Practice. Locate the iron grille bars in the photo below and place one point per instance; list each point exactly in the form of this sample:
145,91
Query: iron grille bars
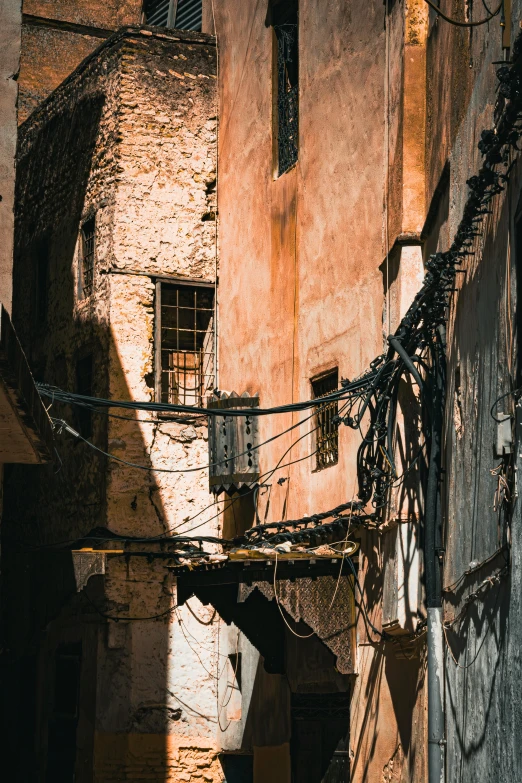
187,340
87,250
287,94
327,433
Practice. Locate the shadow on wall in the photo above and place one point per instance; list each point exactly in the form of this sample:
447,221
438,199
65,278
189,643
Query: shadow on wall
57,652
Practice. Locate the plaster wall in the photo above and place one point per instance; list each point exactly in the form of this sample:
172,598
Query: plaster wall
301,285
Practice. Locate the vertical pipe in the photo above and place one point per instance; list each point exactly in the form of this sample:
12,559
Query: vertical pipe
432,543
436,739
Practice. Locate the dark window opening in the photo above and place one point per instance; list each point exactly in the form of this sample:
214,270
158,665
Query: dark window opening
87,257
42,283
63,720
84,387
237,767
181,14
327,430
186,355
284,17
319,743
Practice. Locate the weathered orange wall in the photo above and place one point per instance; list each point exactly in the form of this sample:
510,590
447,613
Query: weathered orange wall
301,289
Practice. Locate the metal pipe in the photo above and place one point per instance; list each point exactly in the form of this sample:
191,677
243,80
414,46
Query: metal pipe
432,543
436,738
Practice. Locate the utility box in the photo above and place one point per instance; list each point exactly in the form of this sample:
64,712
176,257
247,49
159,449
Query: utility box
504,444
232,442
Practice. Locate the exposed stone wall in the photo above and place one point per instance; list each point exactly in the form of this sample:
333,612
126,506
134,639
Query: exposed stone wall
131,139
57,35
48,57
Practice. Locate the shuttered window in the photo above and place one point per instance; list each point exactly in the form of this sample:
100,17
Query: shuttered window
157,12
188,15
182,14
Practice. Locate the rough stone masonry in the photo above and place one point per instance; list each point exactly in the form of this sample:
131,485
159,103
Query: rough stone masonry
129,139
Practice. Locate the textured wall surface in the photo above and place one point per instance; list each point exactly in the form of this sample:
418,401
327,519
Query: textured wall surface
483,664
309,245
10,29
131,139
57,35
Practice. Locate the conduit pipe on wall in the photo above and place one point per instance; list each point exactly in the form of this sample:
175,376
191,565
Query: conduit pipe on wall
432,548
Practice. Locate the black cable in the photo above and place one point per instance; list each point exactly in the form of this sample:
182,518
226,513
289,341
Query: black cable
514,393
68,428
69,398
465,24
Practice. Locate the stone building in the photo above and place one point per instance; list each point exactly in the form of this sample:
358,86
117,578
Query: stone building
58,35
347,136
347,139
115,235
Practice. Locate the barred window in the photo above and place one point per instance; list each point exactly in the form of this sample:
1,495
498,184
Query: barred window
87,250
327,432
181,14
284,15
185,343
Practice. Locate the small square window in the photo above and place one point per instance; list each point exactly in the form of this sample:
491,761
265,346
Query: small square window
327,430
185,359
87,251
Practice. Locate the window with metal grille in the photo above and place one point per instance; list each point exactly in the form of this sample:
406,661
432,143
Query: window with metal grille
181,14
185,332
327,432
285,16
84,387
88,233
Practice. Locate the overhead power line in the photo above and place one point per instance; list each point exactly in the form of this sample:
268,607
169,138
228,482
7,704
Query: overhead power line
457,23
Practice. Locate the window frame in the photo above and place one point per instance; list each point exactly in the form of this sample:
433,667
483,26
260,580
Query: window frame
277,81
82,290
180,282
171,17
320,464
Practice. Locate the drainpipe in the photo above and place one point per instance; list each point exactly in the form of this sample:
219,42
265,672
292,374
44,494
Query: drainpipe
432,548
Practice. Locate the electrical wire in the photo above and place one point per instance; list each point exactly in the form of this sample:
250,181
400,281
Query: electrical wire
71,398
61,424
465,24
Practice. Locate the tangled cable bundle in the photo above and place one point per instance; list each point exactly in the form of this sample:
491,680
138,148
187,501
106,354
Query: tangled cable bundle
416,349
